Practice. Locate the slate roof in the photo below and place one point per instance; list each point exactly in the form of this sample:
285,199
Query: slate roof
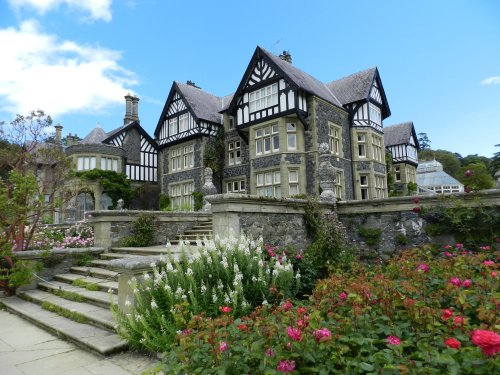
204,105
96,136
353,88
226,101
398,134
431,174
303,80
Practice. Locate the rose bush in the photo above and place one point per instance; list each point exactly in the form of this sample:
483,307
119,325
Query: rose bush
399,318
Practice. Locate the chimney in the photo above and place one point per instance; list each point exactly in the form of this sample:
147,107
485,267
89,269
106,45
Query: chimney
191,83
128,109
58,134
285,56
69,140
76,140
135,108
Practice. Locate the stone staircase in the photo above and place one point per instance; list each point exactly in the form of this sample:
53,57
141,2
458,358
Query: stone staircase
200,231
76,305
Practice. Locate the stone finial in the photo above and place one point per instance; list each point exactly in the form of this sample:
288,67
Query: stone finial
208,188
326,175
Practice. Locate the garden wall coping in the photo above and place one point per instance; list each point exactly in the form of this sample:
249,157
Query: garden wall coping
135,264
40,254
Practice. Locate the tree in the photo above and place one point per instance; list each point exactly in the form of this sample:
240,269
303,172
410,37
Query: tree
495,162
33,172
476,177
423,140
449,160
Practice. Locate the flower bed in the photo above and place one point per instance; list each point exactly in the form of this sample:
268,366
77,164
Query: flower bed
432,311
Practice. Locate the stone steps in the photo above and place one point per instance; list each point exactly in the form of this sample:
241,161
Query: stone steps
98,298
95,315
103,285
89,337
96,272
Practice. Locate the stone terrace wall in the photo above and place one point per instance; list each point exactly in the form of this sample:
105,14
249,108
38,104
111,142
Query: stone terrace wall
110,227
281,221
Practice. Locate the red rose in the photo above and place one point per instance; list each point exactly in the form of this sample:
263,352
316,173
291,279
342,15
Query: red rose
225,309
488,341
452,343
447,314
416,200
416,209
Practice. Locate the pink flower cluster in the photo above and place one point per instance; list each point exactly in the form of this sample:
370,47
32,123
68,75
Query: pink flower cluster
322,335
393,340
286,366
423,267
488,341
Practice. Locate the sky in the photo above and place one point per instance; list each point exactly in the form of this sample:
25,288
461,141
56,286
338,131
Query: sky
439,61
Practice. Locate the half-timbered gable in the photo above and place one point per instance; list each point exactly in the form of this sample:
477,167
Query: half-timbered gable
188,112
362,94
141,162
272,88
401,140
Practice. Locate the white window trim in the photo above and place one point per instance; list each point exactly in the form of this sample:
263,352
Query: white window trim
263,98
270,132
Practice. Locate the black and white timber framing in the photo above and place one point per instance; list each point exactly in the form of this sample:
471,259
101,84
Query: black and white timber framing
401,140
265,82
180,121
146,169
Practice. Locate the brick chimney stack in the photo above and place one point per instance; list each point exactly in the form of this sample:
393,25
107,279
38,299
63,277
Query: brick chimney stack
285,56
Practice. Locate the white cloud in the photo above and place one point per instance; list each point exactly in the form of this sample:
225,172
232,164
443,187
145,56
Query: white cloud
98,9
491,81
41,71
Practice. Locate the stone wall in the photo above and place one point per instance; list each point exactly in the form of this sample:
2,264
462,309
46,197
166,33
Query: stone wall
281,221
110,227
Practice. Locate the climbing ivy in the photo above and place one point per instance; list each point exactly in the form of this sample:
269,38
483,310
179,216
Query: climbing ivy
213,156
116,185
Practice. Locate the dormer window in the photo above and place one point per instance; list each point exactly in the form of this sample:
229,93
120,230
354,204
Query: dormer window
263,98
183,123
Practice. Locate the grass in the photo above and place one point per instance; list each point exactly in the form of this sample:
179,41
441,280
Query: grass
65,313
85,284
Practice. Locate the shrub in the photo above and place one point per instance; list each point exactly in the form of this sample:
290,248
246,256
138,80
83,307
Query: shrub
410,316
329,249
370,235
143,230
164,202
234,273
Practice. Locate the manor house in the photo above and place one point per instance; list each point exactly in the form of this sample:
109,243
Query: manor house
272,126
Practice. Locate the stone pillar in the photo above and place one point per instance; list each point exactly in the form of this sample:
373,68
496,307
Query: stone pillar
58,134
326,175
208,189
497,176
128,109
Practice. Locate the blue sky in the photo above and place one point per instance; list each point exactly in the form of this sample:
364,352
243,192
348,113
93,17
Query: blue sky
439,60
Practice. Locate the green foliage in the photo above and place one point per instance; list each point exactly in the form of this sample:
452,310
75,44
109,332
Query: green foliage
370,235
476,177
214,151
164,202
470,225
372,320
401,239
495,162
82,259
390,173
87,285
329,249
423,141
143,231
234,272
198,200
116,185
66,313
30,170
15,272
449,160
412,188
71,296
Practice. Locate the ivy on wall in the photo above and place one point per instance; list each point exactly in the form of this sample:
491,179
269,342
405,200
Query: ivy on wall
116,185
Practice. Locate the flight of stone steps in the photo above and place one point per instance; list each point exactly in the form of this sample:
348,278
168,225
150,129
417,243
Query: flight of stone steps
200,231
76,305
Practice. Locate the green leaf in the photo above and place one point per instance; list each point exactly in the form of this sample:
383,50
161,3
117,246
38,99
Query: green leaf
366,366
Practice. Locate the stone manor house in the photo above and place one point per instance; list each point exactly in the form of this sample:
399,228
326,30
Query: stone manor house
272,128
273,125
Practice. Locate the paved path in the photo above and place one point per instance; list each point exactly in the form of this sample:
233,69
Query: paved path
26,349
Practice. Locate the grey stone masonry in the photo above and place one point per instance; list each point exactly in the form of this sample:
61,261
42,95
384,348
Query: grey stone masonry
132,146
266,161
110,227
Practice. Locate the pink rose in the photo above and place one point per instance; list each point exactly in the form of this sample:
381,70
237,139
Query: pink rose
294,333
223,346
393,340
466,283
488,341
322,335
455,281
343,296
286,366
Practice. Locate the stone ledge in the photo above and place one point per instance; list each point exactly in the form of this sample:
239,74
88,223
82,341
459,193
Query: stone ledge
42,254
